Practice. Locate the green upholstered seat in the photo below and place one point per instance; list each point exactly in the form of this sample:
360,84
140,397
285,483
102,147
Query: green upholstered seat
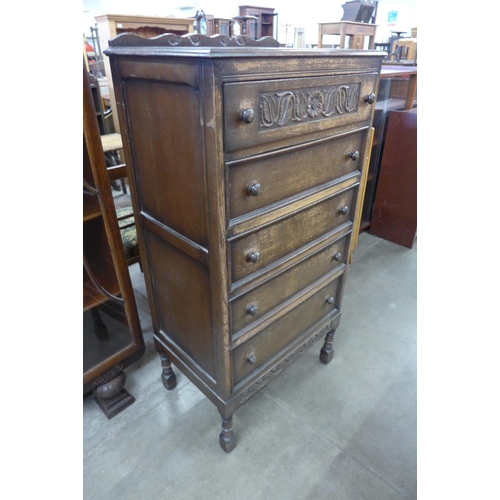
128,233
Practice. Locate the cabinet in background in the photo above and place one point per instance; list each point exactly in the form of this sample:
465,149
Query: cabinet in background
265,23
218,26
397,91
112,335
394,215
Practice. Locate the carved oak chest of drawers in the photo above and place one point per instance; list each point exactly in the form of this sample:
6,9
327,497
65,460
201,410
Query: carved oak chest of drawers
244,162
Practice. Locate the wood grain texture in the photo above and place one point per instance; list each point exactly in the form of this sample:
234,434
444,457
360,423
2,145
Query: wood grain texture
105,276
203,125
394,215
281,332
289,171
283,237
289,282
299,106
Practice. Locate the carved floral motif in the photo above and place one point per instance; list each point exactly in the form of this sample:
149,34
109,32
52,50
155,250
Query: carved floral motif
284,108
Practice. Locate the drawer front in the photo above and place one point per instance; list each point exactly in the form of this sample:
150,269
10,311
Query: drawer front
257,302
260,248
253,353
269,110
268,178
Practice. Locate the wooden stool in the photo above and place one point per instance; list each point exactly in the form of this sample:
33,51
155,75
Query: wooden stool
355,31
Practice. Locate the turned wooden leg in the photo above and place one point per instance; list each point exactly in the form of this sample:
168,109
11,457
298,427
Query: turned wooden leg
227,439
326,353
168,376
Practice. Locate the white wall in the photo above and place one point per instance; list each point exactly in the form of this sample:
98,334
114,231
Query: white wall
296,14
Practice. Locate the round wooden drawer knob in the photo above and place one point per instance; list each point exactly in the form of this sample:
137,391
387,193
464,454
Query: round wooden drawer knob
253,257
330,300
344,210
370,99
254,189
252,310
247,115
337,256
353,156
252,359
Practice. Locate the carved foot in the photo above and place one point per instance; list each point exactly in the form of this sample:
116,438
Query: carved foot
326,353
227,439
168,376
110,394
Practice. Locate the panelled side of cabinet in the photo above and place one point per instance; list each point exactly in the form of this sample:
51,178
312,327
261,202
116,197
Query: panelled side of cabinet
245,163
167,148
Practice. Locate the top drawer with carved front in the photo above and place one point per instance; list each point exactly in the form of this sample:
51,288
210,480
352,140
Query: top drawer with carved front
269,110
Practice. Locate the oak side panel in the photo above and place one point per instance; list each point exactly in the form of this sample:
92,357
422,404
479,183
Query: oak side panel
182,298
168,153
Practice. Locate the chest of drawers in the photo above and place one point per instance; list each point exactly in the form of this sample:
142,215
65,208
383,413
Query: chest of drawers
245,162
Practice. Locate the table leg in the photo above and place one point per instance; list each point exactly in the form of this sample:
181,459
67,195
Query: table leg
342,36
412,88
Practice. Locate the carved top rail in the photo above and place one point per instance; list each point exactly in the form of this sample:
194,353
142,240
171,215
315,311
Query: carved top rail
191,40
196,45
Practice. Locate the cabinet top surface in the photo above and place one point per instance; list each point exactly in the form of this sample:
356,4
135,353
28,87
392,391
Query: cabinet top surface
350,22
389,71
219,46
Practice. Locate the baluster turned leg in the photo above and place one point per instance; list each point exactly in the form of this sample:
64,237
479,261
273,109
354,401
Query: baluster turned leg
227,439
326,353
168,376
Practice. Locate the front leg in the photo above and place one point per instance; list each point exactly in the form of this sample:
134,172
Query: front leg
168,376
326,353
227,439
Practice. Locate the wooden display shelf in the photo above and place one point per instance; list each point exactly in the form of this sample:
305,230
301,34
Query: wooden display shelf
92,297
391,104
91,207
108,348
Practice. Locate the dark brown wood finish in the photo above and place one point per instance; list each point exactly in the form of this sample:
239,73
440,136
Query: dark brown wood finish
255,183
107,289
245,163
394,215
265,23
259,300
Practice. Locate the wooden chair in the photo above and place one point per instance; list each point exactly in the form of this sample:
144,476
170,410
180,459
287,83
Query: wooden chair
111,144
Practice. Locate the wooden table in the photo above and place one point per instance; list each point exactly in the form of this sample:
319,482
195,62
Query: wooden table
403,71
356,32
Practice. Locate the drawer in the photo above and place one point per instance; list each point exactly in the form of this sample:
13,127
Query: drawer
256,303
264,111
264,179
253,353
260,248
